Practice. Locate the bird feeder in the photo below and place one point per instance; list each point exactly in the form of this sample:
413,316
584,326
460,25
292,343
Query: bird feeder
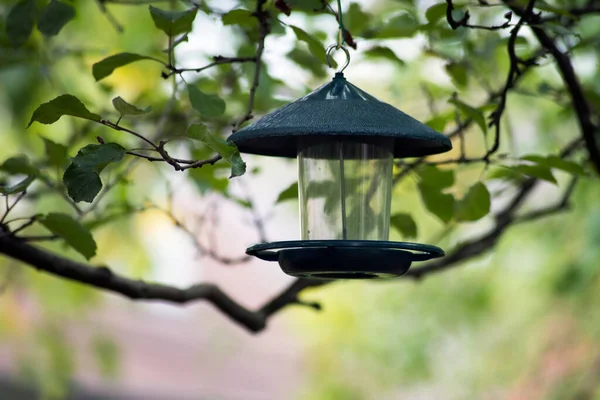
345,141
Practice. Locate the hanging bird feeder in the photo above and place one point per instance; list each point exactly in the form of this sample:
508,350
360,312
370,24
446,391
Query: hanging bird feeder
345,141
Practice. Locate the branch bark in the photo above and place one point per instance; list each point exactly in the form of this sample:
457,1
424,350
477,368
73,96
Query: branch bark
580,104
105,278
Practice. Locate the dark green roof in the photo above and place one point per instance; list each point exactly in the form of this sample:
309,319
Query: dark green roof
341,110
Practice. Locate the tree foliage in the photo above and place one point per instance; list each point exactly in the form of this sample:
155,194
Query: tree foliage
483,56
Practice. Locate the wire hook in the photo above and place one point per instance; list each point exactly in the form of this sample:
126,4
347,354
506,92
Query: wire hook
333,47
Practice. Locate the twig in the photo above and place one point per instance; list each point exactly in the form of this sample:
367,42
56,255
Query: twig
9,208
217,60
580,104
264,29
513,72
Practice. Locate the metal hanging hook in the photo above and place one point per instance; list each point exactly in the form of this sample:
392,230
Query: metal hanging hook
329,58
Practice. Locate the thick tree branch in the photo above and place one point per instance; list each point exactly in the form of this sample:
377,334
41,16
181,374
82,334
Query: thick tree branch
104,278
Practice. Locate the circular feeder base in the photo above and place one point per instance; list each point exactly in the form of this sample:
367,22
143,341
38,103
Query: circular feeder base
344,259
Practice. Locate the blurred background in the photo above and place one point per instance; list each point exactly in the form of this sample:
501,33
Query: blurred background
519,322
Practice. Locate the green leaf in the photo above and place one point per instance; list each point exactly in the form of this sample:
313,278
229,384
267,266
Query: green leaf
18,165
503,173
73,232
305,5
458,73
436,12
54,17
554,161
239,17
83,184
433,176
439,204
439,122
209,105
403,25
82,177
173,22
104,68
205,180
98,156
66,104
56,153
433,182
535,171
20,21
227,150
383,52
471,112
405,224
17,188
290,193
124,108
474,205
315,46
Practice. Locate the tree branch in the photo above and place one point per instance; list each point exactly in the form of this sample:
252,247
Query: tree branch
580,104
104,278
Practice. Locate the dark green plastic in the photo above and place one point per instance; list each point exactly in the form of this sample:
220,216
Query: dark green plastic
344,259
341,111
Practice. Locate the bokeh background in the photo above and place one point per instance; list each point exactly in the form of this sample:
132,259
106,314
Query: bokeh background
519,322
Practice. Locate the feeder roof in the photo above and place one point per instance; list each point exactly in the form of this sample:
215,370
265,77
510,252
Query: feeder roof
338,110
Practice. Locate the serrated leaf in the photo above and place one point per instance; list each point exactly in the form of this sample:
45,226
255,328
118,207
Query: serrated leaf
54,17
535,171
239,17
82,177
383,52
209,105
104,68
439,204
83,184
405,224
56,153
20,21
435,12
18,165
474,205
471,112
173,22
124,108
73,232
315,46
66,104
289,193
227,150
554,161
18,187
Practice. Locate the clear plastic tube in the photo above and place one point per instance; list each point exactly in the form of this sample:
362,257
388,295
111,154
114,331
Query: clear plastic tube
345,190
